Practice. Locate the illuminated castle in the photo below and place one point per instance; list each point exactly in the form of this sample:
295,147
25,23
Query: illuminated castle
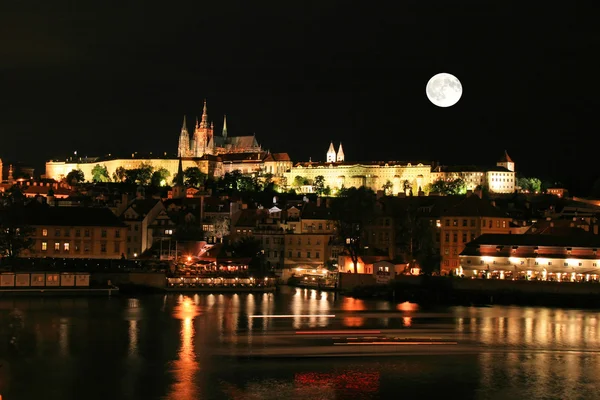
401,177
203,141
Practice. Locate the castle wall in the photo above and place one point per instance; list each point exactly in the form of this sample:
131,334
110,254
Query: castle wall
59,169
372,176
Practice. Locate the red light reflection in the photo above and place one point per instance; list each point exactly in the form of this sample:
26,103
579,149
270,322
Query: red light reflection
357,382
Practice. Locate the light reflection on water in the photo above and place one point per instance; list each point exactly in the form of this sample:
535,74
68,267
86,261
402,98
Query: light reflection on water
161,347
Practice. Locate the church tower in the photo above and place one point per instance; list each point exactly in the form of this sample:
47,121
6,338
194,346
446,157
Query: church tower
506,162
340,154
193,140
224,134
331,153
184,141
11,179
179,191
202,134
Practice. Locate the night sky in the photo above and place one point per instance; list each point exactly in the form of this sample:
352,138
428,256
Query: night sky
117,76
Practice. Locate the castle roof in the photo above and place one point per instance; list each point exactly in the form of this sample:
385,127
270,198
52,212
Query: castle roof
505,158
584,239
314,164
470,168
42,215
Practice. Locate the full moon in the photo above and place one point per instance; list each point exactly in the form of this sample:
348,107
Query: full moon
444,90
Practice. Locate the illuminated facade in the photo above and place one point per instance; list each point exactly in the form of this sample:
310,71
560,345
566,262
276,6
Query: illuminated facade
58,170
76,232
396,177
203,141
374,175
531,256
498,179
299,236
463,223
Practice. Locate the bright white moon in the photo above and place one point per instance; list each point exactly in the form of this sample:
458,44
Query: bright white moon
444,90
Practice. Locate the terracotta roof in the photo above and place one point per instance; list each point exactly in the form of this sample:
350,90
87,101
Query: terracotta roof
312,211
278,157
505,157
557,227
64,216
142,207
247,218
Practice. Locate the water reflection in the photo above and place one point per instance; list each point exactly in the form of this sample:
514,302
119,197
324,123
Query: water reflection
310,302
352,304
186,366
531,328
133,314
510,351
63,337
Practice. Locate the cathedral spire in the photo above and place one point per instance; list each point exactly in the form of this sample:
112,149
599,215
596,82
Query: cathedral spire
184,141
204,121
224,134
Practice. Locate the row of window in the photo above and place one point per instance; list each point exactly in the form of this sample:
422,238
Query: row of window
473,223
455,237
565,264
86,233
275,254
66,247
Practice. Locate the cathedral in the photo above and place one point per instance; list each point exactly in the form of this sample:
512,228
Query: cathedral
203,141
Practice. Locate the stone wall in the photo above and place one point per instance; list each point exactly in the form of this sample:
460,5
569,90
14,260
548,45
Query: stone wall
143,279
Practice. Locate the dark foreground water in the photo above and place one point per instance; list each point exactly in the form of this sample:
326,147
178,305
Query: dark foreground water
198,347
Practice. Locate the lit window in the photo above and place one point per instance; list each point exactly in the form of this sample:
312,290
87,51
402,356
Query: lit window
66,246
57,246
44,246
44,232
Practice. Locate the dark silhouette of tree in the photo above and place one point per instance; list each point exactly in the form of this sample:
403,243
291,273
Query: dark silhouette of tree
229,183
319,185
159,177
194,177
15,235
120,174
249,247
139,176
415,237
387,187
75,176
352,209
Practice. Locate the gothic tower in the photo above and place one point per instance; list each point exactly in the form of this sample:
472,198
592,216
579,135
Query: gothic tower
193,140
506,162
202,134
331,153
340,154
184,141
224,134
179,191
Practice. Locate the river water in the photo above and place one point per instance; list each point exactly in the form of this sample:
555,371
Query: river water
198,346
